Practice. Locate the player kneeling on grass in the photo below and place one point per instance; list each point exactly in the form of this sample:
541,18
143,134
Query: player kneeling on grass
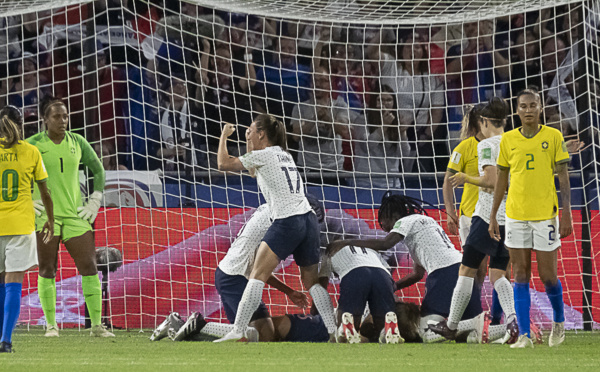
479,244
364,280
20,164
231,278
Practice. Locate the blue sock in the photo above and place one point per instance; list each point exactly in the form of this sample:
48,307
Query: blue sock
522,307
555,295
496,309
2,295
12,308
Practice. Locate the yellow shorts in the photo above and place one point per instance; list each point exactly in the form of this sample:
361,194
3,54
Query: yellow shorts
65,227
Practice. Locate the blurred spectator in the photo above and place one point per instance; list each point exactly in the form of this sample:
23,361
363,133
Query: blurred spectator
112,98
476,71
283,83
347,76
420,97
24,91
319,124
381,143
108,155
179,127
143,113
559,88
225,98
526,70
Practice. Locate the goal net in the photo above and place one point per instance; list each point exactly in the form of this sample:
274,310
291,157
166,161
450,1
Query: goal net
372,94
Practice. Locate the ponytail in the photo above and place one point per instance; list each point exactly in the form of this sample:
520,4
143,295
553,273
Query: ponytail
11,120
274,129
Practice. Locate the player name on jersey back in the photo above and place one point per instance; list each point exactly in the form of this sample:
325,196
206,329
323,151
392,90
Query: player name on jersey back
278,180
350,258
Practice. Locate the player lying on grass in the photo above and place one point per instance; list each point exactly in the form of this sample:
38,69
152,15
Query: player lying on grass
20,165
287,328
429,247
477,330
479,244
365,279
231,278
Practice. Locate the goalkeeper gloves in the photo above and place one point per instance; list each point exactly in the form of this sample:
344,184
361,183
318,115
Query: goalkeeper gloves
90,210
38,207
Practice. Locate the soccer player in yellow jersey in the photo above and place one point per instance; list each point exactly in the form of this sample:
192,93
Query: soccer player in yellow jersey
531,155
20,164
463,159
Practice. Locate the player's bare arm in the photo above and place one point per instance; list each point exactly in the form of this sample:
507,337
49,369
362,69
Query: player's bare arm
499,190
224,161
48,229
488,180
414,277
449,202
375,244
566,220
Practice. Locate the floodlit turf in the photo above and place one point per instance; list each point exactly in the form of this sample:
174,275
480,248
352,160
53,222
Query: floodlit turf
76,351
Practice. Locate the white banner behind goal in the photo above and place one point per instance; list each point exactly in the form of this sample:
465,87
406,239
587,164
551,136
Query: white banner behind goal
372,94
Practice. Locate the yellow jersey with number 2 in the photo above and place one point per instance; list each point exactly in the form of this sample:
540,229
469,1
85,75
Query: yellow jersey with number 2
531,161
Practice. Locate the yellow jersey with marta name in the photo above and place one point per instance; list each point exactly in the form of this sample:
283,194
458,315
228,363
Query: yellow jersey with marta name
531,192
19,166
464,159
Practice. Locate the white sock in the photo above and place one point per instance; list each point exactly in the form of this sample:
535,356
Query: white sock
506,296
248,305
429,337
467,325
323,303
496,332
460,300
217,329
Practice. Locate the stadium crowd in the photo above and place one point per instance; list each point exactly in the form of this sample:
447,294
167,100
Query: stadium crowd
366,98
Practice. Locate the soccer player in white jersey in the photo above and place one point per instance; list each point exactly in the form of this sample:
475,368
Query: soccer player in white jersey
294,230
479,244
431,250
364,279
531,155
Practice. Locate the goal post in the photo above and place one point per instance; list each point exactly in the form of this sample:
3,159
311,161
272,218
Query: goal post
372,94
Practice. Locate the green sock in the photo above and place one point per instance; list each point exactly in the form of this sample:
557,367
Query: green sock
92,292
47,294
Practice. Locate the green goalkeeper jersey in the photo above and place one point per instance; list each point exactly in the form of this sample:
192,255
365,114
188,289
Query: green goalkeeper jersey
62,163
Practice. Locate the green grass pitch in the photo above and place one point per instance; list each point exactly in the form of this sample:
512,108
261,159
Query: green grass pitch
132,351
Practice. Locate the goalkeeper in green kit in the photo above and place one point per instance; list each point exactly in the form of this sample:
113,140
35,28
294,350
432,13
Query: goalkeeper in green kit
62,153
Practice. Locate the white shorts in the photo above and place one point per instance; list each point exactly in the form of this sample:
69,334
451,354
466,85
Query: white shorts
464,227
539,235
18,253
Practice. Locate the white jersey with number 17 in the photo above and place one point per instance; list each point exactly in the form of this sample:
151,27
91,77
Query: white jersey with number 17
279,181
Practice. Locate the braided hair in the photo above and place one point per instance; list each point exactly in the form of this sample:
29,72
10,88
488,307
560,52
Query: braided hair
399,204
11,121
